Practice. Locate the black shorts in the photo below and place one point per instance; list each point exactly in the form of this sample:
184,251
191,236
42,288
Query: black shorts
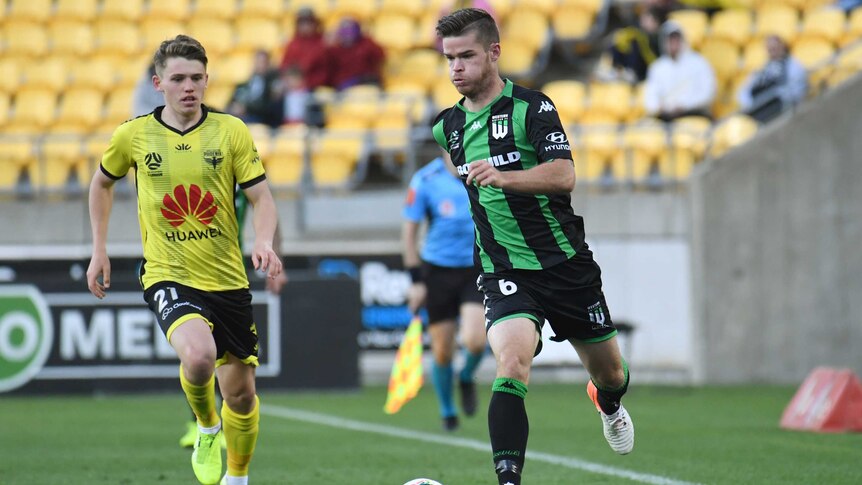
228,313
569,296
448,289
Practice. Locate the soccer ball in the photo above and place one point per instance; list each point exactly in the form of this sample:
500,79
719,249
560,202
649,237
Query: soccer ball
423,481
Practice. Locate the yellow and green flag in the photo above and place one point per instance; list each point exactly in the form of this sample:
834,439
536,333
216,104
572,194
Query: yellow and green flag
406,378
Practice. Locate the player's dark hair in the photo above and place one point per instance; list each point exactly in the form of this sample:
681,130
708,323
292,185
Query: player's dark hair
467,20
180,46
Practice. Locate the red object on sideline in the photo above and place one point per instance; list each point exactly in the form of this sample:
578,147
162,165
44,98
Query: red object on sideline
829,400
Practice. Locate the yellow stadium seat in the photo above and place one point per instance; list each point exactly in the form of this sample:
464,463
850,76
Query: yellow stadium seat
418,66
25,38
61,155
269,9
392,134
394,32
754,56
526,27
613,99
336,157
284,166
34,107
780,20
694,25
646,146
71,37
95,146
118,108
572,22
117,37
10,74
169,9
5,105
689,139
361,10
257,33
30,10
828,24
730,132
96,72
155,30
813,52
795,4
80,111
590,6
518,60
723,56
848,65
10,174
811,5
426,30
411,9
217,9
122,9
444,95
502,8
732,25
853,32
231,69
216,35
569,97
218,96
52,73
85,10
601,155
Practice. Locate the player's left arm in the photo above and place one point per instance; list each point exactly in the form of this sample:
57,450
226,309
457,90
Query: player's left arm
264,220
555,174
249,173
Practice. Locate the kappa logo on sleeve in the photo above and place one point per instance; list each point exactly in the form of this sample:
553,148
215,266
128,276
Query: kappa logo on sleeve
546,106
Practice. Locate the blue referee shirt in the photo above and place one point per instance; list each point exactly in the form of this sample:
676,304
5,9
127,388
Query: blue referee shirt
440,197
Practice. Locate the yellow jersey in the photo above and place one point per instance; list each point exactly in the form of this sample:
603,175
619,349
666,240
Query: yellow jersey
185,184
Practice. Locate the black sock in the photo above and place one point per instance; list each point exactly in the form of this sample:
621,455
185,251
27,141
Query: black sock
609,399
509,428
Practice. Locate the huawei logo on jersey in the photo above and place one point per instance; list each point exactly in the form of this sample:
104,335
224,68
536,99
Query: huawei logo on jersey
184,204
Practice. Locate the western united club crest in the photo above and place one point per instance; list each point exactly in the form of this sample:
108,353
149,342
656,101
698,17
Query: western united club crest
499,126
213,158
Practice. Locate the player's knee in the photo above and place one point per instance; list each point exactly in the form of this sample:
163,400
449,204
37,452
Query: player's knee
199,367
240,401
611,377
513,366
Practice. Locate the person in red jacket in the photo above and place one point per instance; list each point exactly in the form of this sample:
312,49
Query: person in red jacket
356,58
307,50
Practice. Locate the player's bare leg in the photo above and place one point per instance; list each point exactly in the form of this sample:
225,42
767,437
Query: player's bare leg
474,342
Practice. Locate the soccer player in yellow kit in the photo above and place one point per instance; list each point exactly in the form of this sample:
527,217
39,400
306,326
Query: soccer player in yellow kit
187,161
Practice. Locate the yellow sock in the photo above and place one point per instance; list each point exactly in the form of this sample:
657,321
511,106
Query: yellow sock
202,400
240,432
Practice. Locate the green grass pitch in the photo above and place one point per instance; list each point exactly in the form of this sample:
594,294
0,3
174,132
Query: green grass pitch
714,435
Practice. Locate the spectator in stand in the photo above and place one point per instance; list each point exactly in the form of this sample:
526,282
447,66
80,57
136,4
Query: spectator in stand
258,99
778,86
307,50
294,96
679,83
636,47
357,59
145,97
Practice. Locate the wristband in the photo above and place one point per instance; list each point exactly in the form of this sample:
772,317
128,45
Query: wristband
415,274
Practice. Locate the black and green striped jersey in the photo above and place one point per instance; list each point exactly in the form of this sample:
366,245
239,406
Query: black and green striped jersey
516,131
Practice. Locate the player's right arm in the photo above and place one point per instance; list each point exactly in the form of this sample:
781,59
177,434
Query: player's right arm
101,201
414,213
115,163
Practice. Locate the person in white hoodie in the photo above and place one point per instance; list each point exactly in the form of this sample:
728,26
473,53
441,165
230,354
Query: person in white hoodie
680,82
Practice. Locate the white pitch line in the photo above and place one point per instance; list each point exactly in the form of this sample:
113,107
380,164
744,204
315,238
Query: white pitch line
342,423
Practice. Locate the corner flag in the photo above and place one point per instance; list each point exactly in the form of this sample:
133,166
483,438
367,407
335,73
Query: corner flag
406,378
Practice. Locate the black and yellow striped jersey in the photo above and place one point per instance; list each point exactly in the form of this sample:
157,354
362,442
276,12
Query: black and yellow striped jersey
185,183
516,131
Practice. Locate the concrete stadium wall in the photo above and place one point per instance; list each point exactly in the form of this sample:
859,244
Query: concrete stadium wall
777,267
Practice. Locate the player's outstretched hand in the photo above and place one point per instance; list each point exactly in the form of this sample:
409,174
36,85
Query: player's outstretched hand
265,260
100,265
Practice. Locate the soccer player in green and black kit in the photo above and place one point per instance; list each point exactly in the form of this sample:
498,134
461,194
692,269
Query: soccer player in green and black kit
512,152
